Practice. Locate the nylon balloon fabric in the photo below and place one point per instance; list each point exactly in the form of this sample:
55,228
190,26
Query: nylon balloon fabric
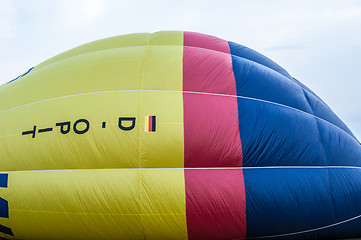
172,135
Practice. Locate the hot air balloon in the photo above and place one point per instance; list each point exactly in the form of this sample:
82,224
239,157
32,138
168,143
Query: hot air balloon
172,135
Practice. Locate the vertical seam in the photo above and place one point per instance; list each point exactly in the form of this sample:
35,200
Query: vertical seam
240,139
140,136
184,155
317,125
324,152
237,106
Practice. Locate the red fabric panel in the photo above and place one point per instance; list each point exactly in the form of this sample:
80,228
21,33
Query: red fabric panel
211,131
208,71
215,203
215,199
199,40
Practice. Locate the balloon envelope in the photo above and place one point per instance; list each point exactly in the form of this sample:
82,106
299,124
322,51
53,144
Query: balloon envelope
172,135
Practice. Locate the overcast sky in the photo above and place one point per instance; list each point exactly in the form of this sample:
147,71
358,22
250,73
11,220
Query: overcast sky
316,41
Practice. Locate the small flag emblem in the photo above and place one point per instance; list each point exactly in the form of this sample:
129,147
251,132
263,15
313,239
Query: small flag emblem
150,123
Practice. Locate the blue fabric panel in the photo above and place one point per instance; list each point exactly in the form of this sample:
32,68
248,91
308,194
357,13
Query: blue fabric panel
346,188
291,200
341,149
323,111
274,135
4,180
305,88
256,81
284,123
247,53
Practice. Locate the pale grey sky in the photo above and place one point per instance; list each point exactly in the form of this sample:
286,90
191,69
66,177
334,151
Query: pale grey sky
316,41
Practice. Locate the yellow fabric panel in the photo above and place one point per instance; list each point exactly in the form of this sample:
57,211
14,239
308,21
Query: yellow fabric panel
166,38
99,87
163,204
160,67
156,151
161,74
108,70
166,106
135,39
96,204
135,198
108,147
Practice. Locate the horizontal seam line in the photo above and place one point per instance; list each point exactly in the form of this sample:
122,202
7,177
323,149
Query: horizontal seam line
174,91
193,168
307,231
92,213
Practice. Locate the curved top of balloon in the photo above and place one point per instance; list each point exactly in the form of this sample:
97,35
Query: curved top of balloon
179,135
171,63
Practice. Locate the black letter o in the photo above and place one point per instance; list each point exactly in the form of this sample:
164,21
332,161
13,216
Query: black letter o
81,131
